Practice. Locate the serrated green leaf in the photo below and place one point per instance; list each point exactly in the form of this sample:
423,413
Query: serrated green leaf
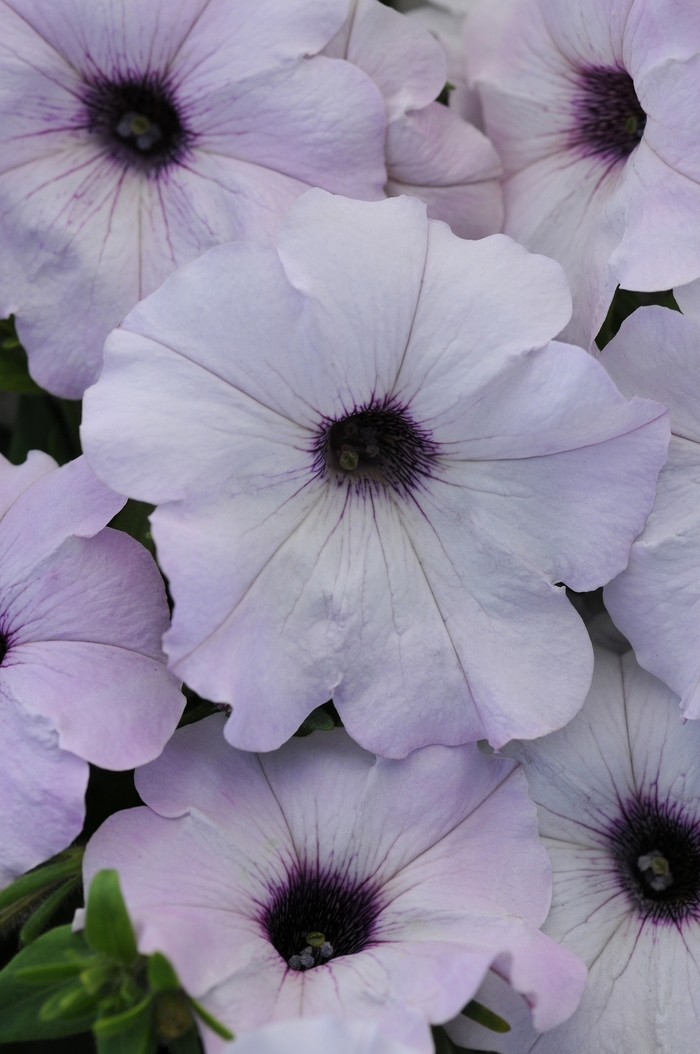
40,918
108,927
211,1021
161,974
485,1017
22,1002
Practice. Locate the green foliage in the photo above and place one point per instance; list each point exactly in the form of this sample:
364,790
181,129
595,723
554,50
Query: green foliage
623,304
485,1017
108,927
39,977
65,983
55,879
444,1045
323,719
14,371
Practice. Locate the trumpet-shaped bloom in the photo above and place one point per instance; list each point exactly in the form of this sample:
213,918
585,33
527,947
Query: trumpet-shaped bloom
374,471
82,674
592,106
656,600
136,134
322,1035
618,794
430,151
318,879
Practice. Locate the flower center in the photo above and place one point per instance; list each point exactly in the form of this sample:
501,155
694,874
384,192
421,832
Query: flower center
137,121
378,442
609,121
657,851
312,918
4,645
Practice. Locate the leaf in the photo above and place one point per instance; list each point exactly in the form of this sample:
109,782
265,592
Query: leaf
211,1021
113,1024
483,1016
136,1036
187,1044
108,927
45,912
133,520
65,865
14,369
161,974
22,1001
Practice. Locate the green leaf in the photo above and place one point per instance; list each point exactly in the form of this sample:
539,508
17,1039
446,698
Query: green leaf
114,1023
46,911
445,1045
14,370
135,1036
108,927
71,1002
22,1002
172,1014
483,1016
210,1020
133,520
317,721
161,974
65,865
187,1044
50,973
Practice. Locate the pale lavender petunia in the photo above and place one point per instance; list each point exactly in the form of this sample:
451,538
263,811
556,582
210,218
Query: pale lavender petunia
592,105
374,472
82,674
318,879
618,793
322,1035
136,134
430,151
656,600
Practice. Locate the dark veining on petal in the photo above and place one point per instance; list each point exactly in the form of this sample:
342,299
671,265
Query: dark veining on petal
320,902
376,443
608,118
4,646
137,120
656,847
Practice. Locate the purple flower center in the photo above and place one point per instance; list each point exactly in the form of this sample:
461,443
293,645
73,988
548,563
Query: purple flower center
657,851
379,443
315,916
4,646
137,121
609,121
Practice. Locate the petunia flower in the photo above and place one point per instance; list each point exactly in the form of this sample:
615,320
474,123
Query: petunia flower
618,794
374,472
82,674
136,135
322,1035
430,151
656,600
320,880
592,106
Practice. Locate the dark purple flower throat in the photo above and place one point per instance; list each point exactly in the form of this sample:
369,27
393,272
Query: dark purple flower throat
315,916
609,121
657,852
379,443
137,121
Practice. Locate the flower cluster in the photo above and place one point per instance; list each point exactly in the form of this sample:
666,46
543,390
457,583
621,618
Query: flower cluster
349,438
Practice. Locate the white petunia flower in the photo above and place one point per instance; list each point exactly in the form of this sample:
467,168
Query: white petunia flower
374,471
618,793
